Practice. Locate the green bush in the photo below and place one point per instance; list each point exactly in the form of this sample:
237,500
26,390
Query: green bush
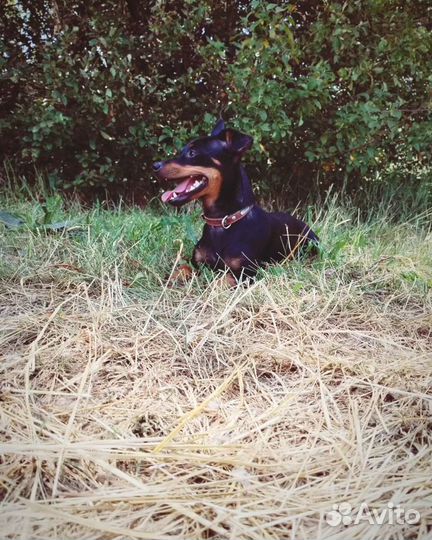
332,92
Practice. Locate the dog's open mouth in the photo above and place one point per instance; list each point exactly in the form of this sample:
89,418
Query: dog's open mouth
185,190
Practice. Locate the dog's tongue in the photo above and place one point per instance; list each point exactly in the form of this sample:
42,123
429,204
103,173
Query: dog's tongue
166,196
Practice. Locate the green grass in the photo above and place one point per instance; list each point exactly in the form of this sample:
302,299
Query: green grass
135,410
136,244
142,246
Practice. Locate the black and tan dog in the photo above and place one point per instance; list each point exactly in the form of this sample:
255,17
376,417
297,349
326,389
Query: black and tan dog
238,234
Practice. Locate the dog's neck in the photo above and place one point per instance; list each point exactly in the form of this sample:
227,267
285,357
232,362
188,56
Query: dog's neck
236,193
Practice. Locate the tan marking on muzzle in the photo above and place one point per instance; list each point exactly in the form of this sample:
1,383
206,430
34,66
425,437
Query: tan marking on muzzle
173,171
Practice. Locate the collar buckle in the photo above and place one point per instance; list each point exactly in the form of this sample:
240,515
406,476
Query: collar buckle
223,222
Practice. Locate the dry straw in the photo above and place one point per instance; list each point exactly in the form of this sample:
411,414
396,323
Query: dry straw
210,413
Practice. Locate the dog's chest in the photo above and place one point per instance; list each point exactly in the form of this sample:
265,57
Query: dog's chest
208,256
220,248
218,255
204,255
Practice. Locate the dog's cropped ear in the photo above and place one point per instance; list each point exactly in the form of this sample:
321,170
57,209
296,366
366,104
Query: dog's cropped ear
237,142
219,127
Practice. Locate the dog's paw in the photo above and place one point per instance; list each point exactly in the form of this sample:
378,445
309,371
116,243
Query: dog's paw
227,281
181,275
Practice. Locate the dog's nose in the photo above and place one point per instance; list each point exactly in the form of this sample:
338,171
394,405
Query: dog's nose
157,166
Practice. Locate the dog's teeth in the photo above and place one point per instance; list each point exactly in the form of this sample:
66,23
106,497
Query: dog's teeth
193,186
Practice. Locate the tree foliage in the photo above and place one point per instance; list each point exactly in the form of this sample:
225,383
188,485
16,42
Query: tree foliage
333,92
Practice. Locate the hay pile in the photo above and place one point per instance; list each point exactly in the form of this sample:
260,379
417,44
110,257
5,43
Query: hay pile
205,413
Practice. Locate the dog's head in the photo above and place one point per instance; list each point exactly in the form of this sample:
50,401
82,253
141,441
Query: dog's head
201,168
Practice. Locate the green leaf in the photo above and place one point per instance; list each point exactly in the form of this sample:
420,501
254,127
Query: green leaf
106,136
61,226
10,220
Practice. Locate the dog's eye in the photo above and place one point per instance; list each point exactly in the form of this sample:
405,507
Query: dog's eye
191,153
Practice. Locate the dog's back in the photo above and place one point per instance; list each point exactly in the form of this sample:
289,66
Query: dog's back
290,236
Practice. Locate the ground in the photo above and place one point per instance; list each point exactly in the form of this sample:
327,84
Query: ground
130,409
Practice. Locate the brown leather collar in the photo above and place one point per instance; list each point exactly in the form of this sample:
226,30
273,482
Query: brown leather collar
229,219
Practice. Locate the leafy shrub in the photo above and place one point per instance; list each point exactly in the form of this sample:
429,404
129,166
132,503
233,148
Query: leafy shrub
94,92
